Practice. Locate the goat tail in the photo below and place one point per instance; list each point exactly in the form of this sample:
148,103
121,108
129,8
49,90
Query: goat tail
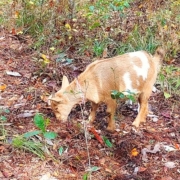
159,54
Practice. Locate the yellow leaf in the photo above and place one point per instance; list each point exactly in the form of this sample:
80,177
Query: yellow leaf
45,59
134,152
20,32
52,48
2,87
16,14
31,2
173,25
165,27
68,27
74,20
2,137
75,30
167,95
140,6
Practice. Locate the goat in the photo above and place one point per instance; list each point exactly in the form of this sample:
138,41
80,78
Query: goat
135,72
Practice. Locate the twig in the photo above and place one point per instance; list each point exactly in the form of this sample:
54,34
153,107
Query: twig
85,127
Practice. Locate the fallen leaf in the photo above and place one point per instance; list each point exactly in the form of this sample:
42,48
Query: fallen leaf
155,119
108,170
68,27
134,152
3,87
19,105
29,97
102,161
139,169
12,73
2,149
97,136
142,169
47,176
13,31
145,150
9,61
166,114
2,137
168,148
45,59
177,146
52,48
7,173
93,169
26,114
16,14
167,95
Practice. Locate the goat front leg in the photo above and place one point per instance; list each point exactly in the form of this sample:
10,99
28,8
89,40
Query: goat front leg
143,101
111,108
92,115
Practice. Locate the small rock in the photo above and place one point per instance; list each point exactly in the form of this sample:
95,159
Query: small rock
155,119
170,164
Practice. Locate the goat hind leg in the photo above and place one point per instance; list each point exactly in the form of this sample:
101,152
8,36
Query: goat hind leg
111,107
143,101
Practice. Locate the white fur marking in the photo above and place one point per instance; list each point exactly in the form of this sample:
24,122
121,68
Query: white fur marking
141,71
137,82
128,83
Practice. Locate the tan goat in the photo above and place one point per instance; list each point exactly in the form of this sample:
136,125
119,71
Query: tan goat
135,71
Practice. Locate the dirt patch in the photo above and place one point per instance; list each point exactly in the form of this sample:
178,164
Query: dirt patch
152,152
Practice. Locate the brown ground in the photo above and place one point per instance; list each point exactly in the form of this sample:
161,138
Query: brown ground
124,161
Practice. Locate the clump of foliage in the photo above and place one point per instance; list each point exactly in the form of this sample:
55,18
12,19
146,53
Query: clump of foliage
3,119
29,145
41,123
92,27
169,78
54,23
27,142
123,95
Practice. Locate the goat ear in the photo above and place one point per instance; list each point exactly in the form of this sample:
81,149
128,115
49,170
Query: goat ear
65,82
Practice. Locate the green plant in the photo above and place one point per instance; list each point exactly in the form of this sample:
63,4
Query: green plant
41,123
107,142
98,48
143,40
3,119
32,145
29,145
102,9
89,171
62,57
123,95
169,79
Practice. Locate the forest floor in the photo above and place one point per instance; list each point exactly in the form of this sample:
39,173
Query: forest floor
151,152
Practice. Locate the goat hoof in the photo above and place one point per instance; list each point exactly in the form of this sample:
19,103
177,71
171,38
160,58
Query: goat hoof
110,129
143,120
136,124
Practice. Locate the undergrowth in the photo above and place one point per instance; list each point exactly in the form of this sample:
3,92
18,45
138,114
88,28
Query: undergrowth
83,24
92,28
28,142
